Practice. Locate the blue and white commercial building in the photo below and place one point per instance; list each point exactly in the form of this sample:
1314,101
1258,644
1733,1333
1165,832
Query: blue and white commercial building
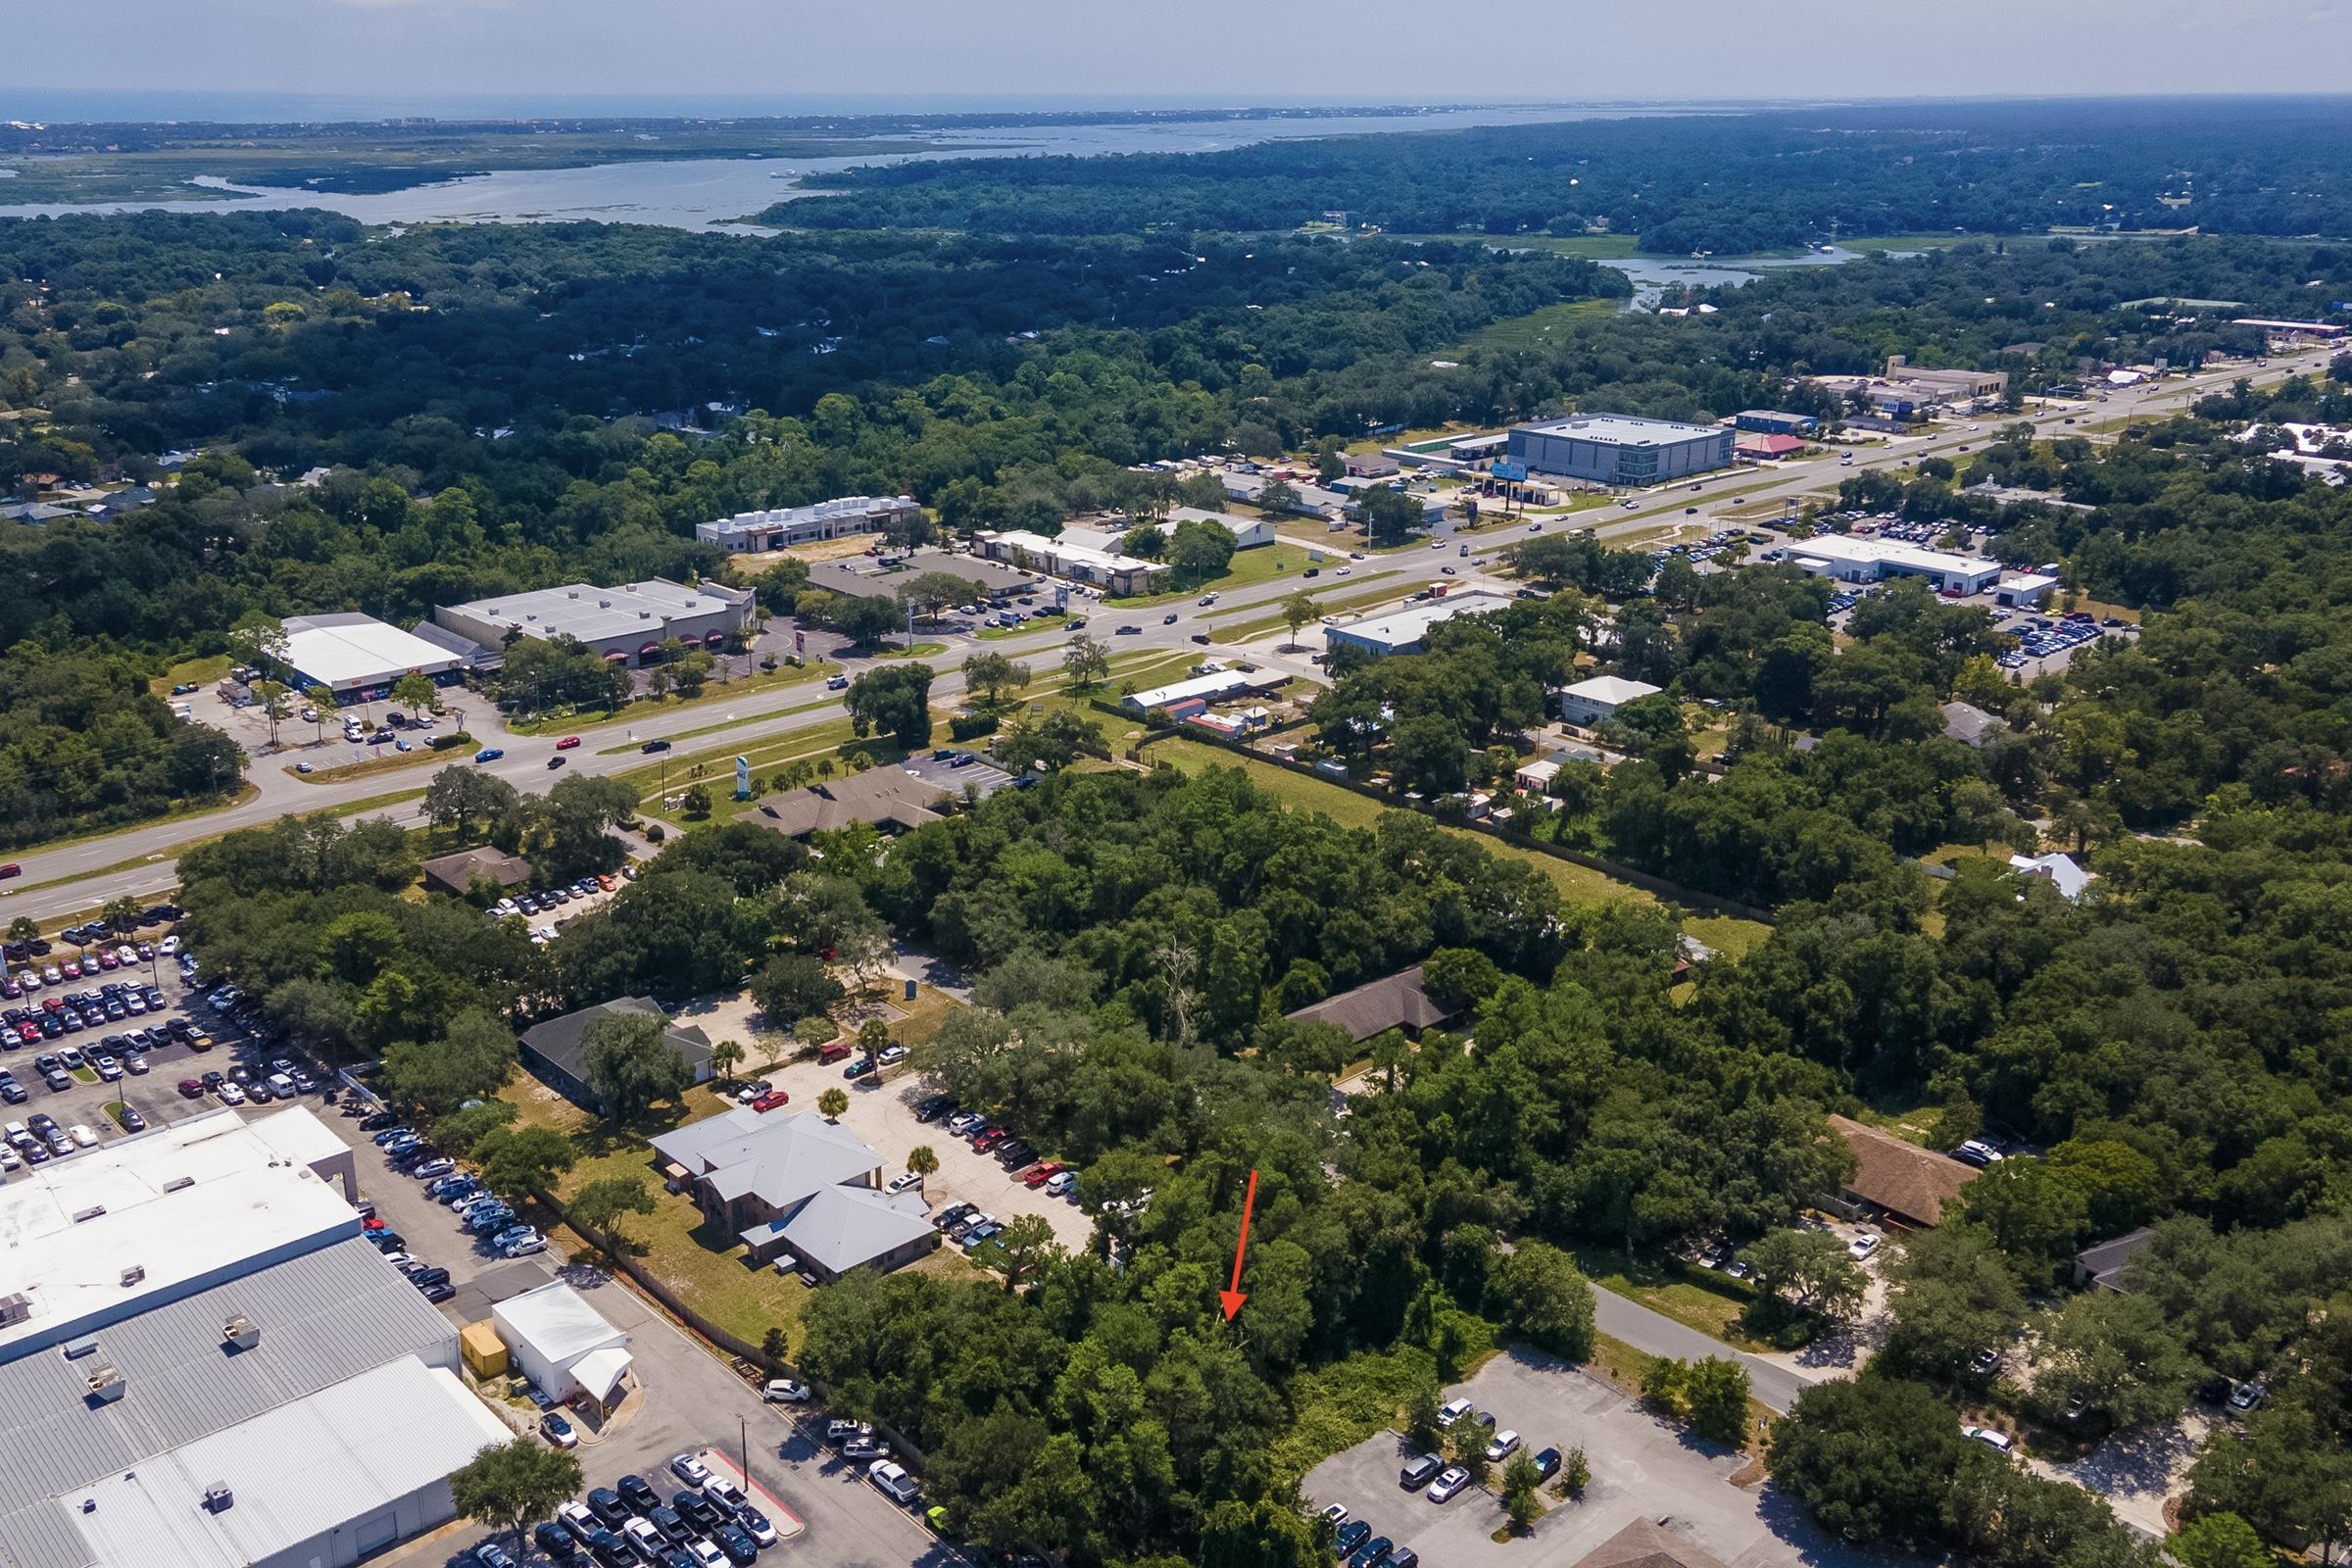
781,526
207,1365
1850,560
1615,449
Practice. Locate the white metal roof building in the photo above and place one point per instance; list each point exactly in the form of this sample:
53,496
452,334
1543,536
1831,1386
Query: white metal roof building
628,622
194,1305
563,1344
1248,532
1403,631
780,526
1206,688
1852,560
1596,700
354,654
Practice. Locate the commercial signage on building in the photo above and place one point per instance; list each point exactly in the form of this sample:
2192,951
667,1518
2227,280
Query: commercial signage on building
1509,470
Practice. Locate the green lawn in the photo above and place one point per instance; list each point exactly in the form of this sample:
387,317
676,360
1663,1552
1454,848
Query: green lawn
1543,328
202,672
1360,597
643,708
1692,1296
1577,884
702,1262
1259,563
388,762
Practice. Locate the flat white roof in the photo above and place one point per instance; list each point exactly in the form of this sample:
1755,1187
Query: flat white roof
1611,689
800,517
556,1321
341,650
190,1204
1623,429
1870,552
1411,625
2029,582
1221,683
592,615
294,1474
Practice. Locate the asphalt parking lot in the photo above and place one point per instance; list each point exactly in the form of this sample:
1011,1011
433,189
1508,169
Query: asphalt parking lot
882,1114
1642,1469
152,1093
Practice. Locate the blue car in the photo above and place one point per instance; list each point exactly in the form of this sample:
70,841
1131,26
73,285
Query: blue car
489,754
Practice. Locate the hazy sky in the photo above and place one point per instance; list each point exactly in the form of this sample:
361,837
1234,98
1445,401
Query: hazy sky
390,52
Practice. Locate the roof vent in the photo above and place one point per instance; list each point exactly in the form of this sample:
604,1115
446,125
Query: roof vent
241,1332
179,1184
105,1384
218,1497
82,1216
133,1274
76,1350
15,1307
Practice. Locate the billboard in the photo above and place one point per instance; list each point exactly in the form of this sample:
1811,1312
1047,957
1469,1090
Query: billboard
1506,470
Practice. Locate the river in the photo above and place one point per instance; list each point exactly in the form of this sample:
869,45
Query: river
704,193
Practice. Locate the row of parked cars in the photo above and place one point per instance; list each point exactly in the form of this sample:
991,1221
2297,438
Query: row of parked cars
526,905
1016,1155
707,1521
2040,636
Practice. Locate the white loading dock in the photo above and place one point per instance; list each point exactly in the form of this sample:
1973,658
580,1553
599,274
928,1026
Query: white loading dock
564,1344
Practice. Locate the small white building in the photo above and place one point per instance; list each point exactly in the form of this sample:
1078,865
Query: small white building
2068,878
1248,532
1595,701
564,1344
1850,560
2026,591
1534,778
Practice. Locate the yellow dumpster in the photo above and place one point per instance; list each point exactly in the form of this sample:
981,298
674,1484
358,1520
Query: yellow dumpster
485,1351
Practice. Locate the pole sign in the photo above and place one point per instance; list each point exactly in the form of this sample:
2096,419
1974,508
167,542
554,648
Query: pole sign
800,643
743,778
1515,472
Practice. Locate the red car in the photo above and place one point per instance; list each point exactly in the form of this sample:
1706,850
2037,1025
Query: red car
1039,1175
836,1051
372,1223
990,1137
771,1100
190,1089
567,743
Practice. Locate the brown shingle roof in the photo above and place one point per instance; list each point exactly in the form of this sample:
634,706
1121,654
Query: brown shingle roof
1392,1001
1904,1178
1643,1544
880,796
455,872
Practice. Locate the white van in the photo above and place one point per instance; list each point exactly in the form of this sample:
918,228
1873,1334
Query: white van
283,1086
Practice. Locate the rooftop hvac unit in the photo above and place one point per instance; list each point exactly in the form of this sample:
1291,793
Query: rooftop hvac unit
105,1384
133,1274
82,1216
179,1184
15,1307
218,1497
241,1332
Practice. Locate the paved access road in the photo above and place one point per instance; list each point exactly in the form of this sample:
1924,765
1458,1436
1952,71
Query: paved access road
84,881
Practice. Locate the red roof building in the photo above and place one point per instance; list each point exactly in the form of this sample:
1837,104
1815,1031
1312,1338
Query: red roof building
1770,446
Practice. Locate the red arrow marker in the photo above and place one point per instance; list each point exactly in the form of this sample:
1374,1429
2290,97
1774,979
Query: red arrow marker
1233,1298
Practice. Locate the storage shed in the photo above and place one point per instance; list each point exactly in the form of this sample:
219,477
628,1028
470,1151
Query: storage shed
564,1344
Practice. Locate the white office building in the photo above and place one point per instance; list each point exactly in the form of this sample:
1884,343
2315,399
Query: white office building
1850,560
206,1365
781,526
1404,631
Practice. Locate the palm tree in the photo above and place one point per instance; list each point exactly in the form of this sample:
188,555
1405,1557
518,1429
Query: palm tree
832,1103
921,1161
24,928
122,913
873,1036
726,1056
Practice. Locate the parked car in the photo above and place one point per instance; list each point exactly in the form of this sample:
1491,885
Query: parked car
557,1430
1419,1471
1451,1480
1500,1446
784,1391
689,1468
1988,1436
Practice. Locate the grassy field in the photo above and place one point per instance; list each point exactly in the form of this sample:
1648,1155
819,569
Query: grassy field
1539,330
702,1262
191,672
1260,564
1360,597
827,701
1577,884
388,762
1692,1296
712,694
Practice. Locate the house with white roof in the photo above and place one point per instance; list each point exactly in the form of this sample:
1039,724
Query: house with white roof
2068,878
1595,701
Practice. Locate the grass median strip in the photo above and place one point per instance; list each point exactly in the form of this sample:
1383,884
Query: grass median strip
711,694
735,722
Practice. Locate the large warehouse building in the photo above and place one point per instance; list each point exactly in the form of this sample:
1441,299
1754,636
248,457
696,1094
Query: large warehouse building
357,657
1614,449
1848,560
205,1365
800,525
628,623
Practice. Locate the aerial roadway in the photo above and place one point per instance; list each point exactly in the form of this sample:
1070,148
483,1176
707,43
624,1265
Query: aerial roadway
77,878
